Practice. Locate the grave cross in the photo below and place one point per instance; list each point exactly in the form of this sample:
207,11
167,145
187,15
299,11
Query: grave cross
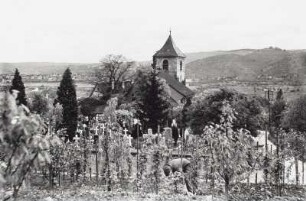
96,129
125,131
103,128
76,139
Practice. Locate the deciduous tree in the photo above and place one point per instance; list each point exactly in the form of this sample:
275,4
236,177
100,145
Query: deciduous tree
206,109
229,152
23,143
113,70
295,119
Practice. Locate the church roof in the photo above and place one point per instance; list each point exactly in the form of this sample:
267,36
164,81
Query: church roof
169,50
176,85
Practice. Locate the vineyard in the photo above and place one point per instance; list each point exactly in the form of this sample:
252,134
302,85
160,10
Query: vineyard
39,163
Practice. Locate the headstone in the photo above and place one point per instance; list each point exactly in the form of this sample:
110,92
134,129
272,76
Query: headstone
187,137
145,136
168,136
150,132
150,139
129,139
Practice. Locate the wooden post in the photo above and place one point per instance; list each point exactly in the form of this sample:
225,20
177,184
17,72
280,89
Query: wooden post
51,175
255,167
137,147
90,173
303,171
97,165
59,177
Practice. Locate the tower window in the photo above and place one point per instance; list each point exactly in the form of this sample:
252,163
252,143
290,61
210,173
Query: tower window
165,65
181,65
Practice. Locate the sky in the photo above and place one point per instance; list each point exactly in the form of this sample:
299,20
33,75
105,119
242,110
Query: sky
87,30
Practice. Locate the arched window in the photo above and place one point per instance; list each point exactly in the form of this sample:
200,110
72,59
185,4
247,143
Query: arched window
181,65
165,65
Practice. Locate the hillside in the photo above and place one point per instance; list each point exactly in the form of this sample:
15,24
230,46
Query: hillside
270,63
193,56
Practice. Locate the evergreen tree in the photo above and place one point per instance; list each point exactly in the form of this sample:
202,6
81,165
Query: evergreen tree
66,96
152,101
18,85
278,109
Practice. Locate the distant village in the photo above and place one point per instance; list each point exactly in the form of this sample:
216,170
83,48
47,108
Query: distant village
56,77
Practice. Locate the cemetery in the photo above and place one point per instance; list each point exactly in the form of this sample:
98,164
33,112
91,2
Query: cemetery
211,125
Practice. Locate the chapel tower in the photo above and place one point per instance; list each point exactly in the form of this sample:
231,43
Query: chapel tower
171,60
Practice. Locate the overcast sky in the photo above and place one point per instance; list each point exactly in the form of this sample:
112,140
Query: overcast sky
86,30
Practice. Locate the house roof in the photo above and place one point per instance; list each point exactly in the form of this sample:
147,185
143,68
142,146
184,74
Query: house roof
176,85
169,50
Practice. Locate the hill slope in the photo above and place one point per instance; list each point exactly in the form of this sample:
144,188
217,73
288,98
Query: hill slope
193,56
276,63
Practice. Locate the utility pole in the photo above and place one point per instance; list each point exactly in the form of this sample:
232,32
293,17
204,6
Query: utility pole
269,97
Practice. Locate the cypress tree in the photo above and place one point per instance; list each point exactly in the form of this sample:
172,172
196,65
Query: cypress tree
66,96
152,103
18,85
278,109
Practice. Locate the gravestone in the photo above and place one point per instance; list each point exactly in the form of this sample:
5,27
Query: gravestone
162,141
150,139
128,139
168,136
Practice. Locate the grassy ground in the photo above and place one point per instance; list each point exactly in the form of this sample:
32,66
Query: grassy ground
93,193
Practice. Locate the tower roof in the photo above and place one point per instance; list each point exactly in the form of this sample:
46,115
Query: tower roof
169,50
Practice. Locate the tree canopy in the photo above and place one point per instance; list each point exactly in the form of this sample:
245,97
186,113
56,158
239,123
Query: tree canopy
207,109
229,152
295,116
114,69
